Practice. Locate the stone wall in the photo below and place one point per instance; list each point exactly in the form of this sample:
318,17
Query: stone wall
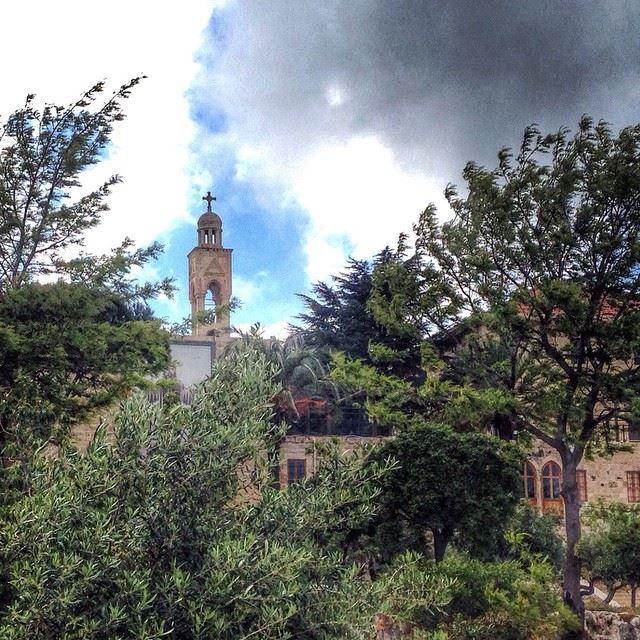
301,447
606,476
605,625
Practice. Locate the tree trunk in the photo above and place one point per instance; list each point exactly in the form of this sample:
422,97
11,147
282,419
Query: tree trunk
572,563
441,538
611,591
633,595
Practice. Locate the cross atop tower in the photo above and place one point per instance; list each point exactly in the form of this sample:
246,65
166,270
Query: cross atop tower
209,198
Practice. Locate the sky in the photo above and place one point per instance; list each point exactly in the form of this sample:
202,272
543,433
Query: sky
323,128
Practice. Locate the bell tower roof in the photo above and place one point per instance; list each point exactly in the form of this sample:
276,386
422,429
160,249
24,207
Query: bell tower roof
209,219
209,226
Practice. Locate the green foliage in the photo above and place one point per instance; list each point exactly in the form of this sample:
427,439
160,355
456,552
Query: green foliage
363,314
536,534
504,601
466,599
187,325
449,484
152,536
69,349
549,243
414,593
113,272
611,548
337,317
543,251
301,370
42,156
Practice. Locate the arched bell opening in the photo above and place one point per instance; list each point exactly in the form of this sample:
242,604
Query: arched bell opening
207,237
212,301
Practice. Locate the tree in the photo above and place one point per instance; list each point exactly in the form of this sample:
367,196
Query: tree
153,536
449,484
68,350
71,347
341,317
159,534
611,549
537,534
42,155
543,251
371,325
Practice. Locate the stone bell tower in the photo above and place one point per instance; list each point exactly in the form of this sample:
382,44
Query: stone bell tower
210,277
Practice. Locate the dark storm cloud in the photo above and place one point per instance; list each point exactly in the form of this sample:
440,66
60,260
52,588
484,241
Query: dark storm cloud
441,82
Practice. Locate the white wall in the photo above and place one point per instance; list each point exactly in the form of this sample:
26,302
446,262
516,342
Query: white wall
193,361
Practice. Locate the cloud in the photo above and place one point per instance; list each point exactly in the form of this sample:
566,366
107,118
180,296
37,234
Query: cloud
358,200
245,290
279,330
59,49
308,98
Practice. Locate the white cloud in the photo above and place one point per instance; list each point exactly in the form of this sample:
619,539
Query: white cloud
356,193
62,48
357,196
335,95
279,330
245,290
359,199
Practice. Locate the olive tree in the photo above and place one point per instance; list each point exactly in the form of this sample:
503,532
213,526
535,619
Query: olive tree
171,528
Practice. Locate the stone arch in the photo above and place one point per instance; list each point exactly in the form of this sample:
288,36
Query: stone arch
213,297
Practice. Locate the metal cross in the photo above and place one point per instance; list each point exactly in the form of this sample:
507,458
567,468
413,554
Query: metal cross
209,198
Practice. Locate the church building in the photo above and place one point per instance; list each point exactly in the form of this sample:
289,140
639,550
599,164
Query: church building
210,278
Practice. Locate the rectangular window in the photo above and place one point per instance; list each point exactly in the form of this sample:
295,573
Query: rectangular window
581,482
296,470
633,431
633,486
627,431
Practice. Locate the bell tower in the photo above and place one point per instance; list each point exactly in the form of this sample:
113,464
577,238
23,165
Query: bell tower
210,277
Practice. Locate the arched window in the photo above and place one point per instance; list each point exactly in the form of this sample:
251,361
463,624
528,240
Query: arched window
211,299
551,487
529,477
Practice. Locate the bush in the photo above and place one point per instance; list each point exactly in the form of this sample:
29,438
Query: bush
147,538
538,534
467,599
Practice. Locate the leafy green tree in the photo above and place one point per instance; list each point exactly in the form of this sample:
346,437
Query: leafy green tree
508,600
450,484
544,252
42,156
611,549
173,529
342,318
337,316
68,350
536,534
